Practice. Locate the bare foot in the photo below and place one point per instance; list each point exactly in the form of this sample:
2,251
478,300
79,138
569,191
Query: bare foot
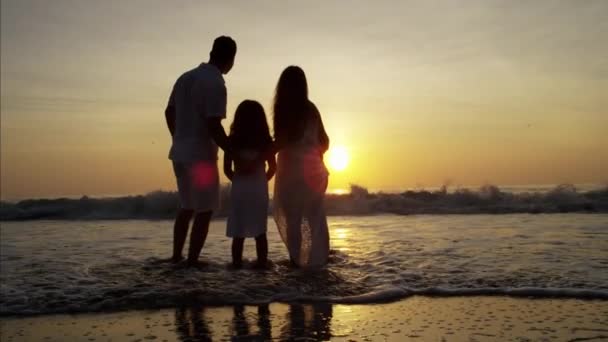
262,264
177,259
236,265
172,260
196,264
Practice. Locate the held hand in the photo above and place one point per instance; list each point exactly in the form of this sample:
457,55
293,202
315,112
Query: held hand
245,166
229,174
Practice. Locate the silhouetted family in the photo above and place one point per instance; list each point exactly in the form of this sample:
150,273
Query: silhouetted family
194,113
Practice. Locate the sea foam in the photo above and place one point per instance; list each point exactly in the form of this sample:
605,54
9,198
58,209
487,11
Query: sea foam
87,266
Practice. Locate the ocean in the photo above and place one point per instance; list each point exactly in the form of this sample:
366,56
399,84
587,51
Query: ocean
72,266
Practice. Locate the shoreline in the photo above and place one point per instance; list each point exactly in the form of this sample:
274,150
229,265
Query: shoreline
482,318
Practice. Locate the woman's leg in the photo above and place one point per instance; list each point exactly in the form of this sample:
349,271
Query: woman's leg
319,249
294,234
261,247
288,213
237,252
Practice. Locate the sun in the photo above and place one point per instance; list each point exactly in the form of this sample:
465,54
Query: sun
338,158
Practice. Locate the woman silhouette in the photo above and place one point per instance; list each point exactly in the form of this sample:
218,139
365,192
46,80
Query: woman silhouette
301,177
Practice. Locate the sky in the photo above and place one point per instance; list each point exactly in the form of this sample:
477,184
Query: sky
419,93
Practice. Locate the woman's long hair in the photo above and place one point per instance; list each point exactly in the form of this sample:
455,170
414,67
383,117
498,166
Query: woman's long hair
249,130
290,105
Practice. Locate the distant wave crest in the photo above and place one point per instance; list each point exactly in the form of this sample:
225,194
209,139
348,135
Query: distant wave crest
486,199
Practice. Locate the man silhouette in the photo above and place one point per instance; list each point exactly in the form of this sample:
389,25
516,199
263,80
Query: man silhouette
194,113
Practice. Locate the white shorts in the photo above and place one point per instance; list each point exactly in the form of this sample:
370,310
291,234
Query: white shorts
198,185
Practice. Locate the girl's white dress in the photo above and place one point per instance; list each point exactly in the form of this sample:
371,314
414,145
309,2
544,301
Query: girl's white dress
299,190
249,202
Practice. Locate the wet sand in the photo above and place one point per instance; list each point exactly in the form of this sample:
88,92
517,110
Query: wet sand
416,318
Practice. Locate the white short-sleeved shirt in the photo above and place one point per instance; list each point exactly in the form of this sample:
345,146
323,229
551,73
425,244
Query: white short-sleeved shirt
197,95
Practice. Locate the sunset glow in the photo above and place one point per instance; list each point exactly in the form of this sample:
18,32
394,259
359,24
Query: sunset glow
338,158
417,93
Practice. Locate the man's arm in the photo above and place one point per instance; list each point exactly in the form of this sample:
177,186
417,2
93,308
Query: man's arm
170,117
215,110
170,112
217,133
228,165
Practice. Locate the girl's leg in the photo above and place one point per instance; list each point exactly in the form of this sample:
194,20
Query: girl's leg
261,247
237,252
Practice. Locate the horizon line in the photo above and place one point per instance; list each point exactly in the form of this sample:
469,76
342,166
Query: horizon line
513,188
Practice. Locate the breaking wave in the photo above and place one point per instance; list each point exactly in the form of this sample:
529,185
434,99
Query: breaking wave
487,199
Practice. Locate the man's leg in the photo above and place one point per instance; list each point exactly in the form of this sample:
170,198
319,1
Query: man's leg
200,228
180,231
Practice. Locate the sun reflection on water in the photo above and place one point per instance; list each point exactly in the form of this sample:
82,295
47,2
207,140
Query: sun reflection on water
341,233
340,238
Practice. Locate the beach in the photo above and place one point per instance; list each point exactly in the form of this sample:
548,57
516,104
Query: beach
479,318
303,171
422,277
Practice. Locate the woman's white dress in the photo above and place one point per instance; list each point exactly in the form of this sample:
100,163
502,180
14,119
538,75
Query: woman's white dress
300,184
248,203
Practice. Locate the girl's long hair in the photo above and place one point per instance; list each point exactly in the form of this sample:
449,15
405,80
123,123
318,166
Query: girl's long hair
291,105
249,130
